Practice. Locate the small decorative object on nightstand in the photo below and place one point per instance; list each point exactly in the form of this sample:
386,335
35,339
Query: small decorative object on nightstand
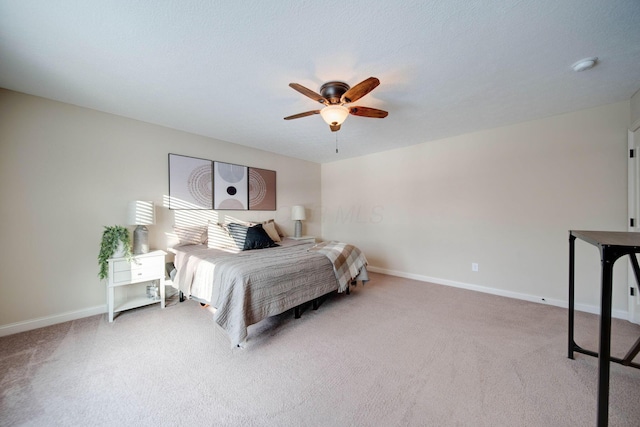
142,268
297,215
141,214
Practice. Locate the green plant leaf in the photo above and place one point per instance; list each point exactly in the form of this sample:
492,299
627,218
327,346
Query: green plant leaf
111,236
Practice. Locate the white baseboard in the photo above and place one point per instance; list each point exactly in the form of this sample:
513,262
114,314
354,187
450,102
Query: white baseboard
28,325
618,314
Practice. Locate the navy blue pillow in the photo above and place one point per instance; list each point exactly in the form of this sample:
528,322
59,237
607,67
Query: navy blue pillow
257,238
248,238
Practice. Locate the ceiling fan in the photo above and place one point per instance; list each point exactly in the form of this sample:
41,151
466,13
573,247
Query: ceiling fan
334,95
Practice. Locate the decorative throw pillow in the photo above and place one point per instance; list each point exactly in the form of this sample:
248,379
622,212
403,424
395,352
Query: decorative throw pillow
247,238
240,221
257,238
191,234
273,221
270,228
238,233
219,237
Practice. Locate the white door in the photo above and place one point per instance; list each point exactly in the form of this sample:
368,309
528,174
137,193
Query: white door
634,216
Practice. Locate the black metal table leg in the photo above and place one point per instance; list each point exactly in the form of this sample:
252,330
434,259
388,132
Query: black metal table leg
572,253
631,354
604,354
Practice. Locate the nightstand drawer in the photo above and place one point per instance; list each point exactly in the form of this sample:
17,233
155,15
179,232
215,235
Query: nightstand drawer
140,270
138,263
134,276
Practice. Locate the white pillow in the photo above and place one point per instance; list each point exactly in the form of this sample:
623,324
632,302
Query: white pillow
191,234
219,237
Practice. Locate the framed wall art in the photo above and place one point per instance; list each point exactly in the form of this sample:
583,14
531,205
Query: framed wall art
230,186
190,182
262,189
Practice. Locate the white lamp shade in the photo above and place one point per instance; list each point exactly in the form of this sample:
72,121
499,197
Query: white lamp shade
297,213
334,114
141,213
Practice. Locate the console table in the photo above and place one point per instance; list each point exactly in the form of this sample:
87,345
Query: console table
612,245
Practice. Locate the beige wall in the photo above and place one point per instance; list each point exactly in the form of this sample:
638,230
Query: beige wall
66,171
503,198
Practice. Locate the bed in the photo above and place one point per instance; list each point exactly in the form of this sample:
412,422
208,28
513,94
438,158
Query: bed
248,286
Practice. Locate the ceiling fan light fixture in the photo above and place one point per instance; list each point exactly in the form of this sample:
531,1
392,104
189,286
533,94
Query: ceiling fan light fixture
334,95
334,115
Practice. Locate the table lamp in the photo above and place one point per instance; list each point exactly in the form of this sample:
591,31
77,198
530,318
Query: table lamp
141,213
297,215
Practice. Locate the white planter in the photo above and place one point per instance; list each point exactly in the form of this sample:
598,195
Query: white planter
119,253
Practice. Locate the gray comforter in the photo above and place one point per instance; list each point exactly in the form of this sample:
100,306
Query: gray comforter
249,286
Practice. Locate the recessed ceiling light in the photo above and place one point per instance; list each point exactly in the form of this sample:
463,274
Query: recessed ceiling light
585,64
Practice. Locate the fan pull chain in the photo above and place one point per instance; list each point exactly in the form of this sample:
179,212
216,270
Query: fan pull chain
336,142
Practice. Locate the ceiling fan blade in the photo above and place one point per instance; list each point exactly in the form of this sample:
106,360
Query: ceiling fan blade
308,92
368,112
305,114
360,90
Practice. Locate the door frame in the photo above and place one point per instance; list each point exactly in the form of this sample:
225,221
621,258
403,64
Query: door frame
633,206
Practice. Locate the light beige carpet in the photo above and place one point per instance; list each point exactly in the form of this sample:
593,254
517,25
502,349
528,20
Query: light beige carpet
395,352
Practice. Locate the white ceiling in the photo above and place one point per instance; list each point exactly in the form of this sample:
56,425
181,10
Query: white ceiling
222,68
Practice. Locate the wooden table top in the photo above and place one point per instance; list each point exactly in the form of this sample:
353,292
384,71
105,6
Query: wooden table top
608,238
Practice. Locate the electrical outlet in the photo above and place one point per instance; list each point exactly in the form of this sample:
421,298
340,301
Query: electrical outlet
474,266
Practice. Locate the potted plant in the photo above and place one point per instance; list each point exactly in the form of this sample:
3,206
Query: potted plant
115,242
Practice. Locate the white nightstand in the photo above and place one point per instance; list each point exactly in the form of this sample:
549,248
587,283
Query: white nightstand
143,268
306,239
